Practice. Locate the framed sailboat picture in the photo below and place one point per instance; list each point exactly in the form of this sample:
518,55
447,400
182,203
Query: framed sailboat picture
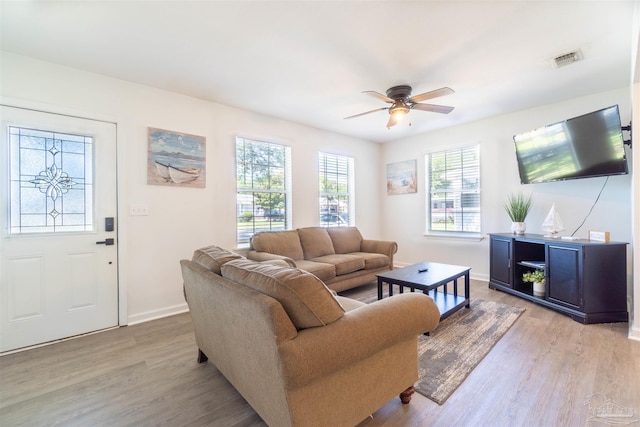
176,159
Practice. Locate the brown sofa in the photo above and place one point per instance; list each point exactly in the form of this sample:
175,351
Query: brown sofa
298,353
339,256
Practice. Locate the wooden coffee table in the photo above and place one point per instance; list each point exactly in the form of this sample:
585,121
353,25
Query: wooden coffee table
432,279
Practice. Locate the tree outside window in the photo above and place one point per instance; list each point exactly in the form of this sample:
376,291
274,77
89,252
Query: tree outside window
263,188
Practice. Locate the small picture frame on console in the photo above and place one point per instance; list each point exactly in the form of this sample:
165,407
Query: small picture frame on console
599,236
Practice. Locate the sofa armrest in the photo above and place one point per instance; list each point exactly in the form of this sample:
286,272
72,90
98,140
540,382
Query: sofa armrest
380,247
266,256
360,333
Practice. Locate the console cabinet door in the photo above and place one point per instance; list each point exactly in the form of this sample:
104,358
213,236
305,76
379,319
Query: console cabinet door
500,255
564,275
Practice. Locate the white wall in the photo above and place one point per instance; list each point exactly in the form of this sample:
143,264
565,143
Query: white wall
634,331
404,215
182,219
634,313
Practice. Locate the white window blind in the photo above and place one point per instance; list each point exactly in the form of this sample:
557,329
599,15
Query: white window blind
453,178
336,190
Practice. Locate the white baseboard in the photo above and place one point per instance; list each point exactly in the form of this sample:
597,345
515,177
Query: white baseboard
157,314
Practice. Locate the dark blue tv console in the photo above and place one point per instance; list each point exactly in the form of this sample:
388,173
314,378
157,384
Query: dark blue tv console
586,280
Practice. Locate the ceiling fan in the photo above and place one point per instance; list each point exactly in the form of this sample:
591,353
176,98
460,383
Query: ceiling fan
402,102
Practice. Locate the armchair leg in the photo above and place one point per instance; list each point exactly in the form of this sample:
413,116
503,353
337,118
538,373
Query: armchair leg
405,396
202,357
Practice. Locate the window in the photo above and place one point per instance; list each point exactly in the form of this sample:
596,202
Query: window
51,182
453,179
336,190
263,171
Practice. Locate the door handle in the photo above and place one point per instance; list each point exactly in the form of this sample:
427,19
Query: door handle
107,242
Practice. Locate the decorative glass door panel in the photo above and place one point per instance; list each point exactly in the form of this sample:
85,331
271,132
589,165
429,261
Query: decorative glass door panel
51,181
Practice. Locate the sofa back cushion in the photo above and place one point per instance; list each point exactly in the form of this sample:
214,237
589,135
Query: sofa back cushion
315,242
213,257
307,301
345,239
285,243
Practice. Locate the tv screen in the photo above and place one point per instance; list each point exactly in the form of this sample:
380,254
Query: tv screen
582,147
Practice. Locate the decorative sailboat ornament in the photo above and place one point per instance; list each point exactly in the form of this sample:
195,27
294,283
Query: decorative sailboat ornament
552,224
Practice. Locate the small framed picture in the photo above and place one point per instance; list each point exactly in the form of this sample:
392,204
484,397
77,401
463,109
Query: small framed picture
401,177
599,236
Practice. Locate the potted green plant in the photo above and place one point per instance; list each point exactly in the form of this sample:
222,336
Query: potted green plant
517,207
538,279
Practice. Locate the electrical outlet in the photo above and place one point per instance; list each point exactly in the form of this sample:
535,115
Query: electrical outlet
138,210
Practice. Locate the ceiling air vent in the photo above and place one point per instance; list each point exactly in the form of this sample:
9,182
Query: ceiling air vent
566,59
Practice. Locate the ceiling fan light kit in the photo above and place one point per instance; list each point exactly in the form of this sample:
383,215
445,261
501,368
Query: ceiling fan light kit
402,102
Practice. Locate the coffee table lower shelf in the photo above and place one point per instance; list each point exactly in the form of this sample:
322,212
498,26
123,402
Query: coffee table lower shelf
448,303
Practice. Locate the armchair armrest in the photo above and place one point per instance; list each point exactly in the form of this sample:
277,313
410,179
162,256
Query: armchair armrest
266,256
317,352
381,247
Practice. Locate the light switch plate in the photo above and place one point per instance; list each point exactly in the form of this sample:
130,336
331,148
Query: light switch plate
139,210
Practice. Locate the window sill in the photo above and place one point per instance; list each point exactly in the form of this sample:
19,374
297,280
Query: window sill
449,235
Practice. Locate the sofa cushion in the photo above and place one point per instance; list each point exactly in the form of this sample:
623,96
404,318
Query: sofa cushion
345,239
349,304
307,301
344,263
315,242
285,243
280,262
321,270
373,260
213,257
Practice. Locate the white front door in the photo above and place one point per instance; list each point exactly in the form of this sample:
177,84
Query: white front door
58,259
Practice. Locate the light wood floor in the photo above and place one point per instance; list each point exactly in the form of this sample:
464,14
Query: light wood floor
541,373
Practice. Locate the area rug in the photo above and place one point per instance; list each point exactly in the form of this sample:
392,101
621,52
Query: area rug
448,355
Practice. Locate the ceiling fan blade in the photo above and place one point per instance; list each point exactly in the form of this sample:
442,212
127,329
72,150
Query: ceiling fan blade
367,112
393,120
433,108
432,94
379,96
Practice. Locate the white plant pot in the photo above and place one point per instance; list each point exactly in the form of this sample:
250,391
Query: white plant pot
518,227
538,289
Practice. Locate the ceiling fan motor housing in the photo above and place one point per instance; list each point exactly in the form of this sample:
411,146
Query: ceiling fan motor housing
399,92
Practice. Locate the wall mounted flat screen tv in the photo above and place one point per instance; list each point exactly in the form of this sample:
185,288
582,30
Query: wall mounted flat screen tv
582,147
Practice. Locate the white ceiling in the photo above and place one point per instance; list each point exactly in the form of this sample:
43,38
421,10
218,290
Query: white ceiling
309,61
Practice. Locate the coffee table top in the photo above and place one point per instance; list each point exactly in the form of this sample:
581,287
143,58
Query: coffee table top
434,274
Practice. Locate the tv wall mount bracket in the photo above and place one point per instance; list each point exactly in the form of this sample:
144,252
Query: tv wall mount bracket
627,129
